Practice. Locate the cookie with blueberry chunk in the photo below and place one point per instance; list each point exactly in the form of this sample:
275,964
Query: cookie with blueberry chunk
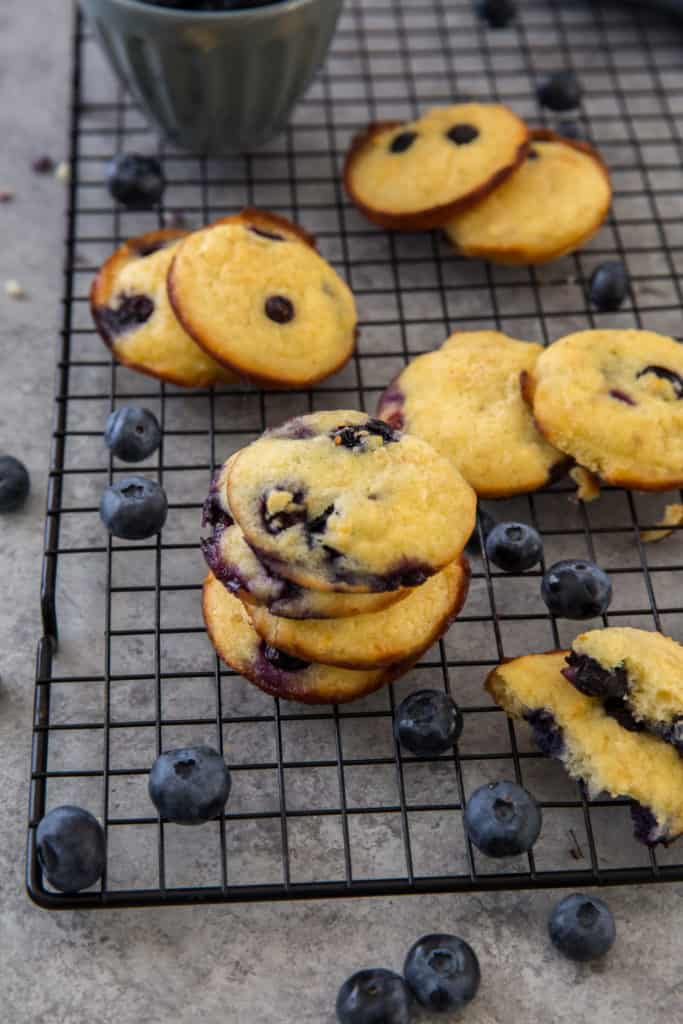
554,202
593,744
341,501
239,645
255,294
401,632
613,401
641,669
465,400
417,175
237,567
133,316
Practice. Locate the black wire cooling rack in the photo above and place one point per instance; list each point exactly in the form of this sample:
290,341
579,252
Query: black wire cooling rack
323,802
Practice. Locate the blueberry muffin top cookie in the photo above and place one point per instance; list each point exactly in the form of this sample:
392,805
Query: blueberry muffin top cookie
592,744
240,646
399,633
132,313
613,400
640,670
553,203
465,400
260,300
340,501
417,174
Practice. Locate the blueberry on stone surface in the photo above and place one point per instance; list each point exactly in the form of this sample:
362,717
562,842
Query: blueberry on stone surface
375,996
132,433
497,13
559,91
609,286
428,723
502,819
15,483
514,547
71,849
189,785
135,181
582,927
443,972
134,508
575,589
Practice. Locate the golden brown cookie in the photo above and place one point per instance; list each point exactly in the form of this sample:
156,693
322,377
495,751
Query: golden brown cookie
257,297
132,313
239,645
613,400
416,175
399,633
553,203
465,400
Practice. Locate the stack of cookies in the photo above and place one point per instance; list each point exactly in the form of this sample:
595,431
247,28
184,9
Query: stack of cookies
611,709
246,298
500,191
335,555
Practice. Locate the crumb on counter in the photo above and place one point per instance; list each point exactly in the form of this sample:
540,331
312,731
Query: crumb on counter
14,289
43,165
63,171
673,516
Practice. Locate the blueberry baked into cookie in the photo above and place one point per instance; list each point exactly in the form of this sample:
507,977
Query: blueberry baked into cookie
240,646
637,673
340,501
464,398
613,401
416,175
553,203
133,316
237,567
259,299
593,744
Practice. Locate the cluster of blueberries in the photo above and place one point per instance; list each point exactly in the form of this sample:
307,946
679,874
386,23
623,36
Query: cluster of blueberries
441,972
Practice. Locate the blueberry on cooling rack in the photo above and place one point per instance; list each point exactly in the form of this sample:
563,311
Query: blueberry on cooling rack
428,723
609,286
71,849
559,91
576,589
136,181
189,785
496,13
134,508
132,433
502,819
514,547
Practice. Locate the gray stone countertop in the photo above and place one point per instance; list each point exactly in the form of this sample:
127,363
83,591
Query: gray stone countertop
275,963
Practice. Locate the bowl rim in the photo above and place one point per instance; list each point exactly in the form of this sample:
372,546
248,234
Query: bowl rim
244,13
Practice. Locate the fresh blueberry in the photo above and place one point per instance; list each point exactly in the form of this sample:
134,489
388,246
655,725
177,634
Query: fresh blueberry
560,91
582,927
609,286
575,589
497,13
134,508
502,819
428,723
443,972
375,996
70,847
486,523
136,181
132,433
15,483
514,547
190,785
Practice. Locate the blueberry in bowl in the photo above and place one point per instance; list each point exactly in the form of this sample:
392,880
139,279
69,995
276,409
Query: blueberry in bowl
135,181
442,972
427,723
70,848
132,434
134,508
375,996
502,819
15,483
582,927
576,589
514,547
189,785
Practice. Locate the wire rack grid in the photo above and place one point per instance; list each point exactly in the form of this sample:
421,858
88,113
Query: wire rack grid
324,803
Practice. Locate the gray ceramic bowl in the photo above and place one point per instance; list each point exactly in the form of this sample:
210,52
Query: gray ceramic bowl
215,82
